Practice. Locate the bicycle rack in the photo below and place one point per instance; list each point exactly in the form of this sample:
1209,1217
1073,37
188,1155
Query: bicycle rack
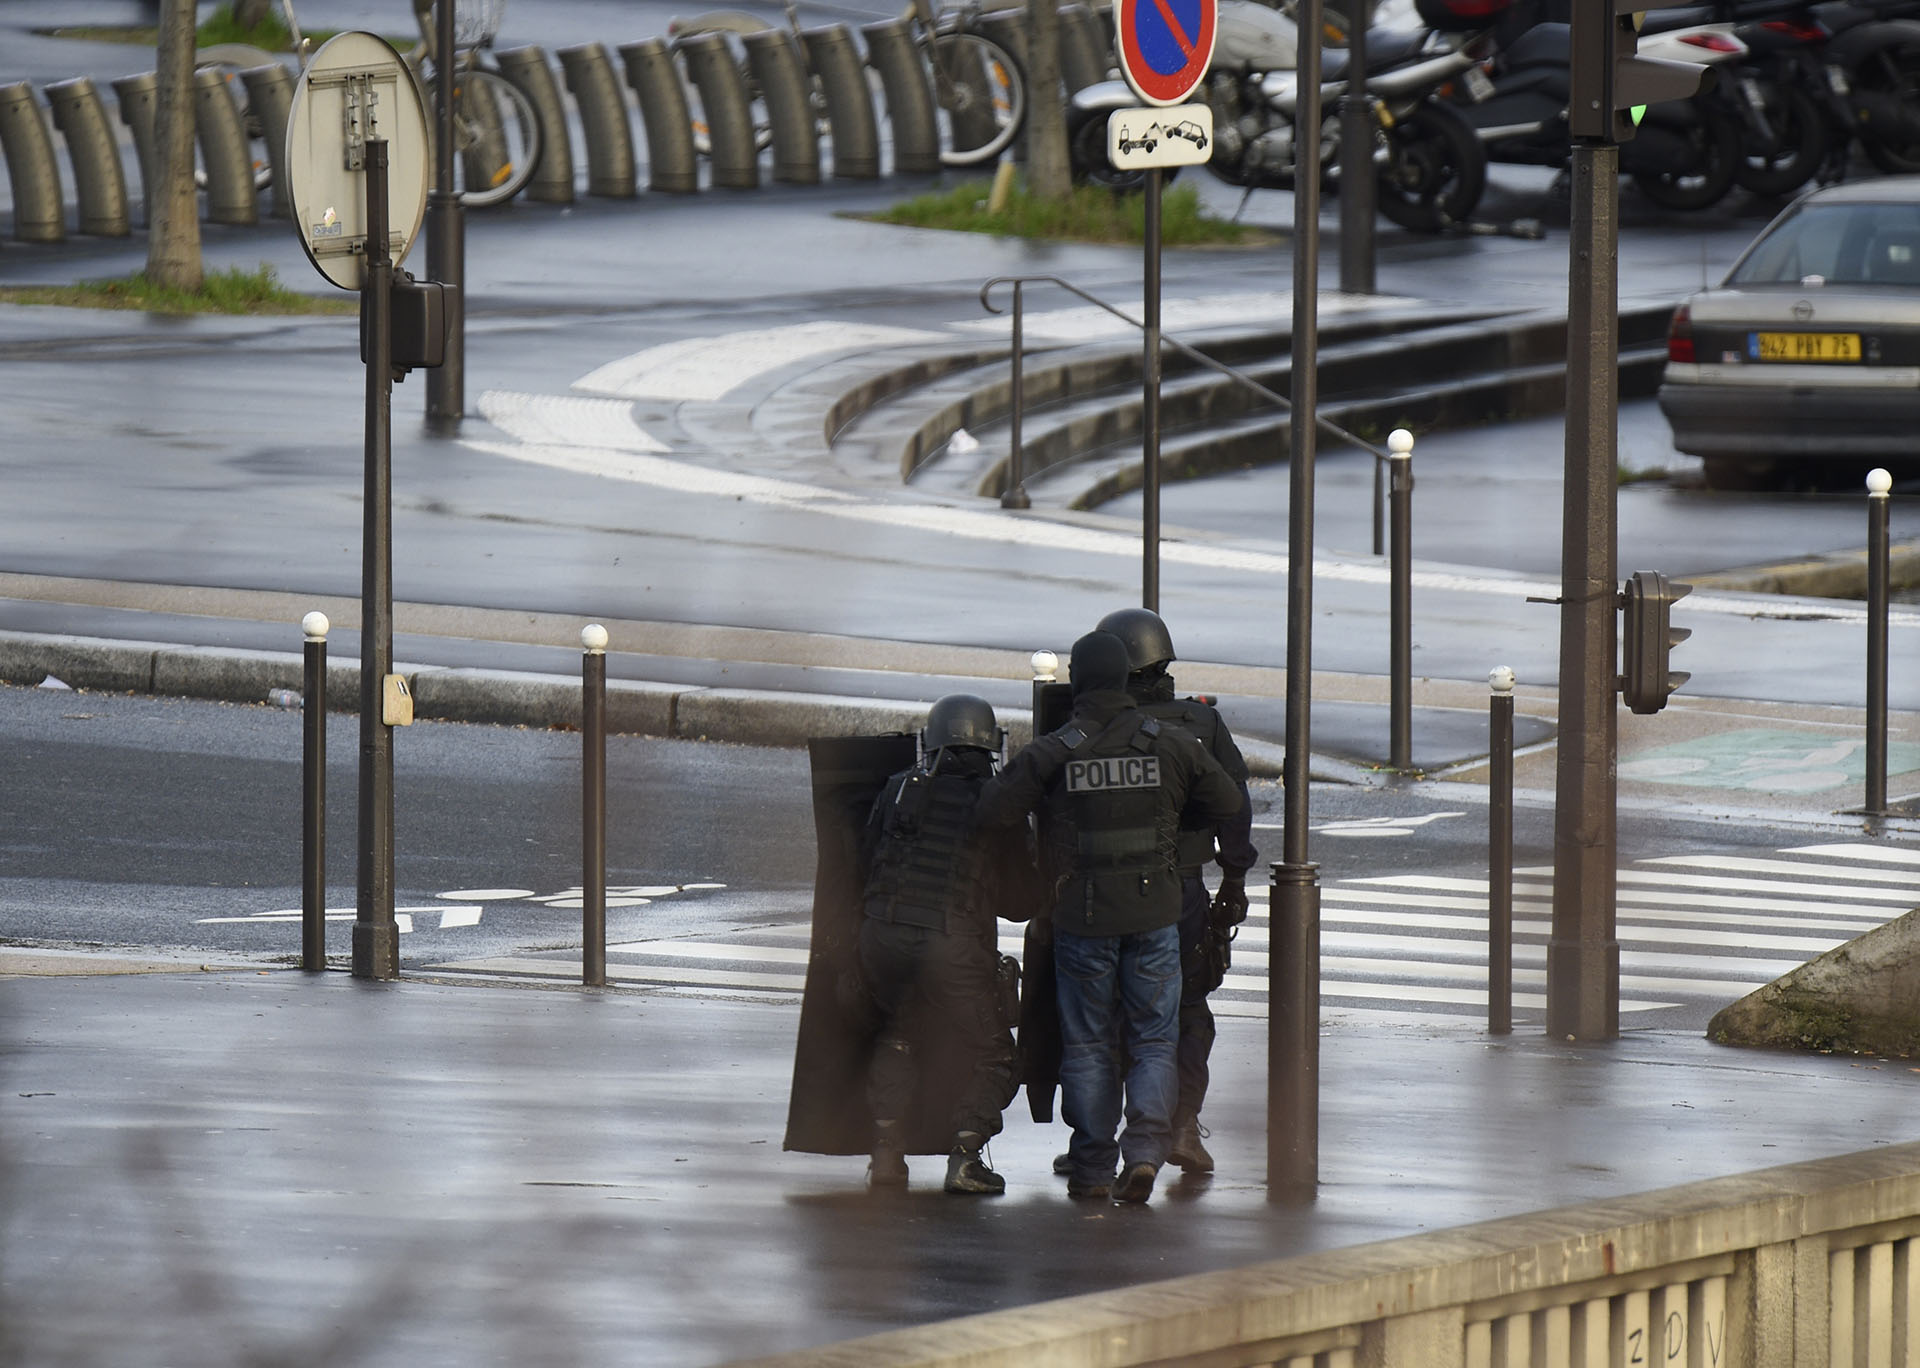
39,213
723,99
224,155
270,95
672,164
916,139
1084,49
603,118
778,70
99,182
137,95
527,69
854,133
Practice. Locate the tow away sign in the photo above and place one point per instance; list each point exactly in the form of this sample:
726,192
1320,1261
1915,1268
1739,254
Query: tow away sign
1176,135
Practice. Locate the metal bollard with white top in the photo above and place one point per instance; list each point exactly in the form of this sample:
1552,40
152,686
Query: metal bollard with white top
313,796
1500,851
593,806
1046,670
1400,576
1879,577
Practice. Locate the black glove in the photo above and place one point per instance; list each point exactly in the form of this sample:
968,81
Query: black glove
1230,903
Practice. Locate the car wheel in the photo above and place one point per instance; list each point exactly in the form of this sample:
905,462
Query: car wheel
1740,473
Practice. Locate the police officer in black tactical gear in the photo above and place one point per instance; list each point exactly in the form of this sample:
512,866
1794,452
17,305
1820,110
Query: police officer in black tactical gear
929,951
1112,787
1207,922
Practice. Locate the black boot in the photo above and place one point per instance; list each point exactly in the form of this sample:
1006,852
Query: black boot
967,1171
1188,1152
887,1168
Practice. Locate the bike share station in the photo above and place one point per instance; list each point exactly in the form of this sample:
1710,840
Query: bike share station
357,154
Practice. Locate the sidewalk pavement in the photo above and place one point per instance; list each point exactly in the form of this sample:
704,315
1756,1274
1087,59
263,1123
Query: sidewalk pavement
229,1164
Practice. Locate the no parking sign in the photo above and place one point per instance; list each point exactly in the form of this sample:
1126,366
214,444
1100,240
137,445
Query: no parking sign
1164,46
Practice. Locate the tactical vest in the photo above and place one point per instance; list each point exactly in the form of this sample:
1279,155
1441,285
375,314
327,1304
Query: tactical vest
1196,844
1111,787
927,871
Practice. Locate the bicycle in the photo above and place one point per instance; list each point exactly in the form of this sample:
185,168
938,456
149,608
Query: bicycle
496,129
979,88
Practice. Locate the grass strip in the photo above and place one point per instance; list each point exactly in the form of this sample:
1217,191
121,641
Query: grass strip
1090,214
226,292
270,33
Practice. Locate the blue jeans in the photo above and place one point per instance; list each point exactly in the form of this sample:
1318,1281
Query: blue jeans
1126,990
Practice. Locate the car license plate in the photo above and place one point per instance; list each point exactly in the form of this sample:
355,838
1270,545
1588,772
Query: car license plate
1795,346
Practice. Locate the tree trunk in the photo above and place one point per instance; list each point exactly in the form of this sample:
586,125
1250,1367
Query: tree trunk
173,209
1049,174
250,14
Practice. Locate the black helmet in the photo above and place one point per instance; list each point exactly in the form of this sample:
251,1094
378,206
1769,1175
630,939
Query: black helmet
1147,641
1099,661
961,720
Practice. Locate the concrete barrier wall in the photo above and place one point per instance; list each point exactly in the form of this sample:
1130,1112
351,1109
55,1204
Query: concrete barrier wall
1806,1266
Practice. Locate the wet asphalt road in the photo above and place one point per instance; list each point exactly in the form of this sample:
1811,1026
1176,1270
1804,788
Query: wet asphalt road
174,825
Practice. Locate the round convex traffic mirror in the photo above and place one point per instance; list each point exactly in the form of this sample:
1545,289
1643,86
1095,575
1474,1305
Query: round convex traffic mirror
355,88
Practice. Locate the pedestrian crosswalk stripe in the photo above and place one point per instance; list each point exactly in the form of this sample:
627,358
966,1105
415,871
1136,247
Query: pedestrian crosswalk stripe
1632,901
710,950
1690,927
1855,850
1784,867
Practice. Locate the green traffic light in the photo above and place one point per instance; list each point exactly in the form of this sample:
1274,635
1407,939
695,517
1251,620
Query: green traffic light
1639,112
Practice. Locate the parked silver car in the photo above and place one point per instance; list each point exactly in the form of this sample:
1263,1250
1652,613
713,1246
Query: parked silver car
1809,351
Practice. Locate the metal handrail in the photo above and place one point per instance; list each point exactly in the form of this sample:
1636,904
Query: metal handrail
1380,458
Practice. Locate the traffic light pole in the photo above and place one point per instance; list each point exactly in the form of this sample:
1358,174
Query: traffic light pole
1293,962
376,944
1583,953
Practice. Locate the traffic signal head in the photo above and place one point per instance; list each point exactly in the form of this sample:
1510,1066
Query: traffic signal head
1647,636
1611,84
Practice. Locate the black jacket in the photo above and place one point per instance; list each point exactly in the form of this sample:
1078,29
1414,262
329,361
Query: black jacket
1230,842
1110,854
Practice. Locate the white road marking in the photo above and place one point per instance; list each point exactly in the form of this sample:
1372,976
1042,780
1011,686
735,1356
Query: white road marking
708,368
459,916
568,419
485,895
1372,826
978,524
1906,855
402,916
1748,865
709,950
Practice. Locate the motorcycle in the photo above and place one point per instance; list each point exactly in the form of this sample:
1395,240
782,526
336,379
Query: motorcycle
1873,64
1798,126
1684,153
1430,168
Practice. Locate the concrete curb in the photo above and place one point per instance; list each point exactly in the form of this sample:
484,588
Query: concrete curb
753,717
1838,574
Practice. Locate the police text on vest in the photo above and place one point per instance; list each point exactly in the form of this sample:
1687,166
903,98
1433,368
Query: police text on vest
1113,772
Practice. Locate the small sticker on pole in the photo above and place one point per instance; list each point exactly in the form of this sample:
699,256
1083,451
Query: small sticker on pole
1164,46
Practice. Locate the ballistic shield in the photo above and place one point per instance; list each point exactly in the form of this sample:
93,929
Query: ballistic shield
827,1110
